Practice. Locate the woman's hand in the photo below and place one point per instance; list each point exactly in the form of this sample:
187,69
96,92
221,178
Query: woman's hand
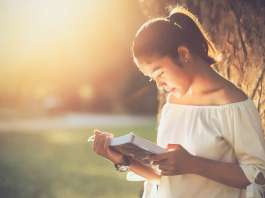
174,162
101,147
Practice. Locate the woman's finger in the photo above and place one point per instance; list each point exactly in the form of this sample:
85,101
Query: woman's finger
163,161
108,134
99,143
172,172
106,143
158,157
97,131
167,173
164,167
94,142
167,167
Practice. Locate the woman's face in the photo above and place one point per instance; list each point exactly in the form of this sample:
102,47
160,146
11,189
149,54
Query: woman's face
167,74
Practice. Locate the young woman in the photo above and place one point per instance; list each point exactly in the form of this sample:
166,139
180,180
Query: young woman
211,128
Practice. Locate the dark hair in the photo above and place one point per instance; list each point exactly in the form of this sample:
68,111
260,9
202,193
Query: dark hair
161,37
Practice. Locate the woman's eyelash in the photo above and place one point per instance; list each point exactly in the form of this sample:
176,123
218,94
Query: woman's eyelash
159,75
150,79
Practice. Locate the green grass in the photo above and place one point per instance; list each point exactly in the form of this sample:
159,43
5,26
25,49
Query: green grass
61,164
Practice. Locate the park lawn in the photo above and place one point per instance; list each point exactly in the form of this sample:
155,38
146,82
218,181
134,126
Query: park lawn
60,163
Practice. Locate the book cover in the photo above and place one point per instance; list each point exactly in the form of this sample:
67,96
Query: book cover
134,146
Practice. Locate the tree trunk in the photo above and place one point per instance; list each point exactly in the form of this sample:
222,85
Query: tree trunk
238,30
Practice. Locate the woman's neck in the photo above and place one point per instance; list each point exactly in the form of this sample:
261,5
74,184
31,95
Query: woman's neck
204,79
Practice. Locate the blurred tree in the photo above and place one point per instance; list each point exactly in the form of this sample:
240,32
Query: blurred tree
70,56
140,95
237,29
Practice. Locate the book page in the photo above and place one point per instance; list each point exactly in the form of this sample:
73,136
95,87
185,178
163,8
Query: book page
133,151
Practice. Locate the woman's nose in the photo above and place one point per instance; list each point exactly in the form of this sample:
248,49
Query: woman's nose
160,83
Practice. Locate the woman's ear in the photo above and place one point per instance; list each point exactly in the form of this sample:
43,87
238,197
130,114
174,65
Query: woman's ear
184,54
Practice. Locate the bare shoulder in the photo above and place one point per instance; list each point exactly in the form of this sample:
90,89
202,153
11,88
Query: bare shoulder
225,94
232,94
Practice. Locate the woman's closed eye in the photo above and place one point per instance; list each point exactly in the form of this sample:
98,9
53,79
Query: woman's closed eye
156,74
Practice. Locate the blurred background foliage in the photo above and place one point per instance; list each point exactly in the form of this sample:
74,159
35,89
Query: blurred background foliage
59,56
65,55
60,164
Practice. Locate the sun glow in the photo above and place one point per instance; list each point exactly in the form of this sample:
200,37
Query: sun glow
41,28
52,48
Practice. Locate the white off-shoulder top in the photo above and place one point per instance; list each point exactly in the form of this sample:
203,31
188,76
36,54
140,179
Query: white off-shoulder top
228,133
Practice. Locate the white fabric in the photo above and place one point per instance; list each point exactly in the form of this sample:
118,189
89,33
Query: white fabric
131,176
228,133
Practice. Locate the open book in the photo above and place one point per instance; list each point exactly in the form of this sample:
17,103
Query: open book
135,147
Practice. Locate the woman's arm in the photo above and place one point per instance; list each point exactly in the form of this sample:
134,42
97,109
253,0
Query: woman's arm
179,161
226,173
101,147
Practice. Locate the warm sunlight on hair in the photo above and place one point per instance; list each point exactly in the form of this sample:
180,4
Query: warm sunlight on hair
213,52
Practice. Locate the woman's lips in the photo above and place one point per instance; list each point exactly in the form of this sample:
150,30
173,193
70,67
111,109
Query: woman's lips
166,88
172,90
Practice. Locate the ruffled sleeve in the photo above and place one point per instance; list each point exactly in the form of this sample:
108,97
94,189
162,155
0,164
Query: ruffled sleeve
244,133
